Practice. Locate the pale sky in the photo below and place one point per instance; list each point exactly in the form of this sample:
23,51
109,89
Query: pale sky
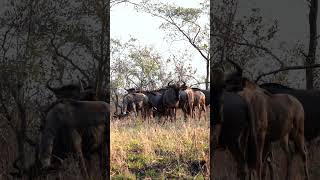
125,22
292,16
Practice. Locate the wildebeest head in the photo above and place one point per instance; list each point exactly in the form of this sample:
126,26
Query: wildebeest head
131,90
233,81
175,88
69,91
171,94
79,92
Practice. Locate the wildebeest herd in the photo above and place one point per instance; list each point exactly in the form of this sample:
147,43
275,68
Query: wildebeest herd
78,124
163,103
248,118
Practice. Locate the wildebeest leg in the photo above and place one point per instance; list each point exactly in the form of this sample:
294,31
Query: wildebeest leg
205,111
269,161
59,176
240,161
285,147
102,162
143,114
302,149
78,149
184,113
88,163
304,155
199,108
260,148
268,158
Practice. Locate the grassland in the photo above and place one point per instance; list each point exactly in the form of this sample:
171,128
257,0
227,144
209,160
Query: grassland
176,150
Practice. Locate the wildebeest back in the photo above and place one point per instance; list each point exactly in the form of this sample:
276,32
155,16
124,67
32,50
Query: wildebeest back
310,99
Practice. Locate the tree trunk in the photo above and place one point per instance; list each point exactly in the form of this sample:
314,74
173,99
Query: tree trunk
211,165
208,74
310,59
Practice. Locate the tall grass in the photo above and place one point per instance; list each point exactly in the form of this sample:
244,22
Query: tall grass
174,150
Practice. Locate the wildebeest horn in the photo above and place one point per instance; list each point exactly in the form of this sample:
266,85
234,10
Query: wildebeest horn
169,82
237,66
184,83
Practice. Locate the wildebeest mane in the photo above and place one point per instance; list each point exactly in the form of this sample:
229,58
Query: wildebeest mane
274,85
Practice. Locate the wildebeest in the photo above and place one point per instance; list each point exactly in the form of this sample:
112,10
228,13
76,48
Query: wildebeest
170,98
278,116
84,126
186,102
199,103
229,124
308,99
136,102
206,93
155,102
284,120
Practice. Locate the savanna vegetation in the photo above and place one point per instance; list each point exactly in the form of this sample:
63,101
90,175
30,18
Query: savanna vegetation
173,150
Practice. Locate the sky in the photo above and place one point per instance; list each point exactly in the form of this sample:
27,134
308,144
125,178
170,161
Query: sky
125,22
292,16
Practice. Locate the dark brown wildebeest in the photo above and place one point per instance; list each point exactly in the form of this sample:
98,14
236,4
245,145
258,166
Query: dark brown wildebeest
136,102
155,102
274,117
84,125
170,98
199,103
229,126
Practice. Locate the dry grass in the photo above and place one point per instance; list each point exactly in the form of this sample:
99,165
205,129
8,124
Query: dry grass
174,150
225,168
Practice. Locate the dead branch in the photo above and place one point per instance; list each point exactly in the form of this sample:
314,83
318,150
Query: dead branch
287,69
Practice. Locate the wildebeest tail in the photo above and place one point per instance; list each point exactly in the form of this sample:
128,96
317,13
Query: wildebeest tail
251,149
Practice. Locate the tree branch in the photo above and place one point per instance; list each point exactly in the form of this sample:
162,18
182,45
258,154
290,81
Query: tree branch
185,35
247,43
69,60
286,69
